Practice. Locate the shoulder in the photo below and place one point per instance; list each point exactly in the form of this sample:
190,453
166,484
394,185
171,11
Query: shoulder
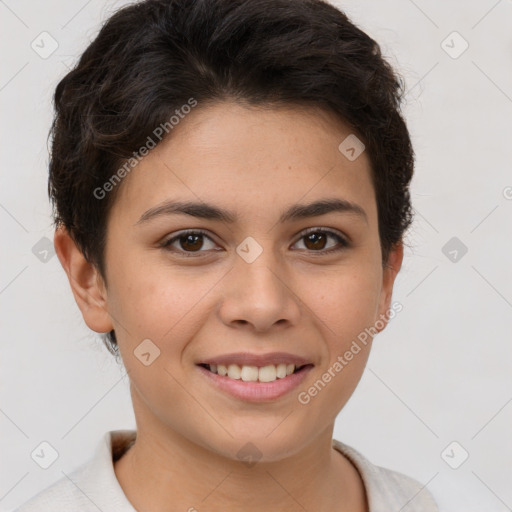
58,497
386,489
91,487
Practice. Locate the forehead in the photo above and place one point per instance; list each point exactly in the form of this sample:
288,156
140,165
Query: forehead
249,159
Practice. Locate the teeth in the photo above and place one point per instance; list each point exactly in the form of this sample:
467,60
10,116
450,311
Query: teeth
249,373
281,371
234,371
267,373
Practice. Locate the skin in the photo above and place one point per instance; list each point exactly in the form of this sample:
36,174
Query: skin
256,163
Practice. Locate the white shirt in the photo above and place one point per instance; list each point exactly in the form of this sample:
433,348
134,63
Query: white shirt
94,487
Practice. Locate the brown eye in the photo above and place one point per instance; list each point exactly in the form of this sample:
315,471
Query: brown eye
316,240
189,242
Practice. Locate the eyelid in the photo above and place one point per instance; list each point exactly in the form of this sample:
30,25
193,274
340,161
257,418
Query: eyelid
315,229
320,229
343,241
166,244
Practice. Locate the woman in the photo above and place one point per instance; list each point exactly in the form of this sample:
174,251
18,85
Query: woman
230,183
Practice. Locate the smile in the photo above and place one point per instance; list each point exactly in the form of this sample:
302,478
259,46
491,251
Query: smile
255,384
248,373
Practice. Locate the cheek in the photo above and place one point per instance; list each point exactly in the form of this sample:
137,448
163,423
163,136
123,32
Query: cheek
345,301
344,308
158,304
155,306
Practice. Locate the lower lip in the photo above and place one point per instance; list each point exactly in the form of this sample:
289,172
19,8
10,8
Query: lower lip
256,391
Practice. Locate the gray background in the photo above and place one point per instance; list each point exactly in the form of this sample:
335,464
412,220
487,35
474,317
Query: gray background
441,370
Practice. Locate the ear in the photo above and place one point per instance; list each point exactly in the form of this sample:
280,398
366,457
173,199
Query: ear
86,283
390,272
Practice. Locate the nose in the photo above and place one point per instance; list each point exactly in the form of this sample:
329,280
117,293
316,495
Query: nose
259,295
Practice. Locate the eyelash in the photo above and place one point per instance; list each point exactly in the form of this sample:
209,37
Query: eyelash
341,240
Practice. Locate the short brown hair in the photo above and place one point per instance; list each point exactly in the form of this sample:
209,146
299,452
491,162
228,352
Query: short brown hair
151,57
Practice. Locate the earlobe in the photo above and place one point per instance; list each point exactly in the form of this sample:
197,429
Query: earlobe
86,284
390,271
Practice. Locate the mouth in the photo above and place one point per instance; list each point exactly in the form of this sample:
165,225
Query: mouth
255,383
250,373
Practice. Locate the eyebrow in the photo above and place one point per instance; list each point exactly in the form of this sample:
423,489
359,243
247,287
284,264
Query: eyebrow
211,212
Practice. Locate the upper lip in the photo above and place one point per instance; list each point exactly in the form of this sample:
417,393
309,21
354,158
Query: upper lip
249,359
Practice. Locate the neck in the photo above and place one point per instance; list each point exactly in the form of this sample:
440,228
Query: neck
169,472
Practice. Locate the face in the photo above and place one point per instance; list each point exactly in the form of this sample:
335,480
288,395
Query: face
255,281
